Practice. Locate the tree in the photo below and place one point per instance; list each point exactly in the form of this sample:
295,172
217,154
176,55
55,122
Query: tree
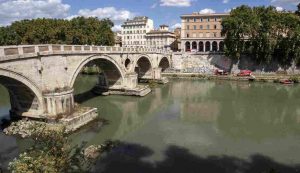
263,34
298,10
80,30
50,152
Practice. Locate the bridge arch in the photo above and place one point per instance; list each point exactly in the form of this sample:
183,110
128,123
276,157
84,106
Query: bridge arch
25,96
111,69
143,66
164,64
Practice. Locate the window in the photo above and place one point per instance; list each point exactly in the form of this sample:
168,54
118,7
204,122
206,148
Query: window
215,19
188,27
188,20
207,26
201,27
195,27
207,19
201,19
195,19
215,34
187,35
215,26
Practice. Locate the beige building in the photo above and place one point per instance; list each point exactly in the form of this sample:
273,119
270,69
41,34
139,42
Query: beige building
134,31
161,38
118,39
202,32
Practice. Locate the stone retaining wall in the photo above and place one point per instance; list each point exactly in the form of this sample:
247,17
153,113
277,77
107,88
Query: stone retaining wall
207,63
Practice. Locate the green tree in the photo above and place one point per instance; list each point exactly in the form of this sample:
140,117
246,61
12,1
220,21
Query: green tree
51,153
80,30
298,10
263,34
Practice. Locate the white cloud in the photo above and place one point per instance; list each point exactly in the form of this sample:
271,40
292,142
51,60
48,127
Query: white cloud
117,28
285,2
114,14
229,10
176,3
207,11
279,9
154,5
14,10
177,25
225,1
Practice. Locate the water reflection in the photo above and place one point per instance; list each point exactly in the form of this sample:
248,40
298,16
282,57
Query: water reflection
208,118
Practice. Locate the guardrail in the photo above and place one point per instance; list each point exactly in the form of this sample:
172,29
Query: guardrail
23,51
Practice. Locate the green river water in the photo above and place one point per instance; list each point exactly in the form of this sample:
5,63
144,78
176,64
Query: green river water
189,126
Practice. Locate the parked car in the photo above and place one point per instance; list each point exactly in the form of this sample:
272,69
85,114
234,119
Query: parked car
194,50
245,73
286,82
220,72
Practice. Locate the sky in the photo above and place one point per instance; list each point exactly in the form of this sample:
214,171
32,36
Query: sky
160,11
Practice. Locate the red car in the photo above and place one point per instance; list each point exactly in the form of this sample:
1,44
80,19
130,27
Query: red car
245,73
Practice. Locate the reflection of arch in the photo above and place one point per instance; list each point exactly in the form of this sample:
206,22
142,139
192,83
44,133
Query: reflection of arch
187,46
207,46
109,62
143,66
201,46
24,94
194,45
214,46
127,62
164,64
221,46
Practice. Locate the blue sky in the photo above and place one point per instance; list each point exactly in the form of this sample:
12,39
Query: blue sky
161,11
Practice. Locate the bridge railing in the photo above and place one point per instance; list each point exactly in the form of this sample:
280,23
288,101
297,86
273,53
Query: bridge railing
23,51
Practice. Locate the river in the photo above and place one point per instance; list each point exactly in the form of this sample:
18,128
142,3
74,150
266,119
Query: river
189,125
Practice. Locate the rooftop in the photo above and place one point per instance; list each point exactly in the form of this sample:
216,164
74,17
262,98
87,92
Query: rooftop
197,14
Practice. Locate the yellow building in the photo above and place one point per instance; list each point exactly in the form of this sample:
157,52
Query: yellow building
202,32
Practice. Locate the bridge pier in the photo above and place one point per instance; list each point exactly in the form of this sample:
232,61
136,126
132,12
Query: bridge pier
59,103
155,76
129,87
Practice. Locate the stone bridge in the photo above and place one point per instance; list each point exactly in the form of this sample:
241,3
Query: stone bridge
40,78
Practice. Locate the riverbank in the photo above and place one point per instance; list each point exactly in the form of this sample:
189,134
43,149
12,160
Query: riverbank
275,78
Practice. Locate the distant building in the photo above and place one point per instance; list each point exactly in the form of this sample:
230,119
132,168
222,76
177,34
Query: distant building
161,38
177,33
118,39
202,32
134,31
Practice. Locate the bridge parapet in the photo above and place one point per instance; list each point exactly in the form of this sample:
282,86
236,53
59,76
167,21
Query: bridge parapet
25,51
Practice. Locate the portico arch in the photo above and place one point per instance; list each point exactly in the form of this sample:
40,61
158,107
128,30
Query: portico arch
214,46
221,46
194,45
201,46
25,96
187,46
110,69
207,46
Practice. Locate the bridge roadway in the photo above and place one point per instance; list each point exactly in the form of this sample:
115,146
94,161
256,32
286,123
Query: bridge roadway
40,78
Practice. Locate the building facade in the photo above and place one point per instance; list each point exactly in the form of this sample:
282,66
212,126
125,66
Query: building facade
161,38
134,31
202,32
118,39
